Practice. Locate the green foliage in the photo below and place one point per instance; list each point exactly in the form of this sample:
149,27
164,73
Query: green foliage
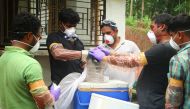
131,21
183,7
146,20
154,7
134,22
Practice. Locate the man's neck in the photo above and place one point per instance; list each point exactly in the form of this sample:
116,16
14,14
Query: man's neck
20,45
116,42
165,39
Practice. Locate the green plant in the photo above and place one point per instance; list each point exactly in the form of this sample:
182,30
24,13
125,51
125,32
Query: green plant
131,21
138,23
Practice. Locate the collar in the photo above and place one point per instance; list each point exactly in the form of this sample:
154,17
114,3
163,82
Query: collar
184,48
121,42
18,49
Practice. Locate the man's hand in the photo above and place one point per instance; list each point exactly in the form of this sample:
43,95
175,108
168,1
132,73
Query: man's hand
105,50
82,63
97,54
55,91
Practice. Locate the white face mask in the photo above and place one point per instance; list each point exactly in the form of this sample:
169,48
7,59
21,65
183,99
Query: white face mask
152,37
34,48
174,44
108,39
70,32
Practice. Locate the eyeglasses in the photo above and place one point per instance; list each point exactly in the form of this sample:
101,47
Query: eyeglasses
109,22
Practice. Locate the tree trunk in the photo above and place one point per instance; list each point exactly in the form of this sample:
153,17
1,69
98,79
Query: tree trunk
131,8
142,11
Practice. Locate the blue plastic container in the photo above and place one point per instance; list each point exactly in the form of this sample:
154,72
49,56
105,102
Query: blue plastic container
82,98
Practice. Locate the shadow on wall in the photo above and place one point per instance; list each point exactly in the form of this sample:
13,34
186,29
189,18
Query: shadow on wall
44,61
139,36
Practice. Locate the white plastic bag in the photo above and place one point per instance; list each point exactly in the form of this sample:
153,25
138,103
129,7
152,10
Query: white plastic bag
68,86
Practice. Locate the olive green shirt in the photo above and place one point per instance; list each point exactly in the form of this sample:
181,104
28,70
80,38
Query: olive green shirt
17,70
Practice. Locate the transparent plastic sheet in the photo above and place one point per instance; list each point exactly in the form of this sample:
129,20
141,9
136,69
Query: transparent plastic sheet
95,71
126,74
69,85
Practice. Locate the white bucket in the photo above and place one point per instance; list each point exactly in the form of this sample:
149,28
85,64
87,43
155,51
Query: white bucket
103,102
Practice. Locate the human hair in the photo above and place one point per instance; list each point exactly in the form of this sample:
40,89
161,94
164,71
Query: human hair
181,22
24,23
108,23
163,18
69,16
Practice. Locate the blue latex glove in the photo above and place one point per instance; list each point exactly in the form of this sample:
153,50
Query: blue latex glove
55,91
97,54
104,49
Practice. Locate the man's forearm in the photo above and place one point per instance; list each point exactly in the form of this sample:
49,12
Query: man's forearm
128,60
64,54
41,94
43,98
60,53
174,96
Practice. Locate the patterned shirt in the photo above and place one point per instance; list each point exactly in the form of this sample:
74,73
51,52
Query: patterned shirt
180,70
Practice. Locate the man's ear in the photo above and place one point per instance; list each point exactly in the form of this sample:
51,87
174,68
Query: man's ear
163,27
28,36
115,31
180,35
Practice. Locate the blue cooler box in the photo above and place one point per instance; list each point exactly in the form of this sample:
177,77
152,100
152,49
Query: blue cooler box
113,88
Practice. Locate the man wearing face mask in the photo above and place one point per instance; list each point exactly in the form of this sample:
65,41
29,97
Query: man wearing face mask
152,82
113,42
66,51
21,80
178,91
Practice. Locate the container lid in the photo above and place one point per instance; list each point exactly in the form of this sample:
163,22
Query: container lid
107,84
98,101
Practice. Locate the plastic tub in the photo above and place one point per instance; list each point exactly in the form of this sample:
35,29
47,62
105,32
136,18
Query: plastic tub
114,89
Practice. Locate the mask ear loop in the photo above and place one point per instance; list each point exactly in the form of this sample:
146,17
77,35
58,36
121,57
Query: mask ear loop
35,38
61,27
175,36
185,30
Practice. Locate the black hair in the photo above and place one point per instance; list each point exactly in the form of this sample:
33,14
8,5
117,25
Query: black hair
69,16
163,18
180,22
24,23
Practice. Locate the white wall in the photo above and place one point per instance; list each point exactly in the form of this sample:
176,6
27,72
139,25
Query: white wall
115,10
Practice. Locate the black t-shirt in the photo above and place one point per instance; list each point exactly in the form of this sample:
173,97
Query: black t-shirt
59,69
153,81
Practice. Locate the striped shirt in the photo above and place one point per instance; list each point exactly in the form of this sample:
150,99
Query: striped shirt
180,70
